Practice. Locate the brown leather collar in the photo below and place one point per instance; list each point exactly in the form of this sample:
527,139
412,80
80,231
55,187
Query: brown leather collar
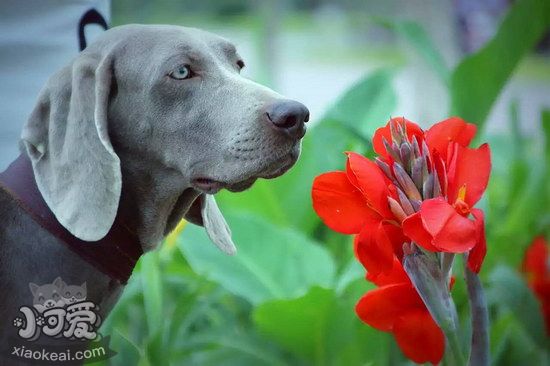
115,255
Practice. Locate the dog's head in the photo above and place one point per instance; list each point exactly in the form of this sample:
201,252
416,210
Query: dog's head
169,101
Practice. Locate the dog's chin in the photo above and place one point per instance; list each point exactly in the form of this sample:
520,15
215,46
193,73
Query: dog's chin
266,171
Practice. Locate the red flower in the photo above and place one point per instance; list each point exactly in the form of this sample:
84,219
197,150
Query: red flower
421,188
443,224
536,265
356,202
396,307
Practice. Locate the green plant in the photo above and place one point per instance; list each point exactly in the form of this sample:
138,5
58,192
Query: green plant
287,298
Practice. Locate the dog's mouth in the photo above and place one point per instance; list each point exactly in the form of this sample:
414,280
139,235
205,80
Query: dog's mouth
211,186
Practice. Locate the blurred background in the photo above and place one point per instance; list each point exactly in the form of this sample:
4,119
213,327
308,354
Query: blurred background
288,296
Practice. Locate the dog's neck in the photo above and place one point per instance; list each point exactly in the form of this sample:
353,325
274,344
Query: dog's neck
123,246
154,199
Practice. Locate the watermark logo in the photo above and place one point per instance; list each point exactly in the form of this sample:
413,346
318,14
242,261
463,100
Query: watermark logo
60,311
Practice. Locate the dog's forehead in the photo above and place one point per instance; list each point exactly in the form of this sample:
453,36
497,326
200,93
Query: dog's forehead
169,38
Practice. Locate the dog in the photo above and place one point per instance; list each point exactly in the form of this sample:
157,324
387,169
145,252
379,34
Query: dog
138,132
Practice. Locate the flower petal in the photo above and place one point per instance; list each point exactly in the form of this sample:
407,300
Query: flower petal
339,204
384,132
414,229
536,259
419,337
396,275
477,254
470,168
380,308
453,129
374,249
371,181
449,231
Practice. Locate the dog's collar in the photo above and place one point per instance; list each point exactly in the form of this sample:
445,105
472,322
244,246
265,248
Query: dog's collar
115,255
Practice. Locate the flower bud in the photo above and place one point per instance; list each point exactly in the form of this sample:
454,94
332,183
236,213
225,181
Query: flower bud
393,150
406,182
397,210
405,154
428,187
416,172
405,203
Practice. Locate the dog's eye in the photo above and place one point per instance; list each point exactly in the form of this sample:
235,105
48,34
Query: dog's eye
240,63
181,73
56,296
67,294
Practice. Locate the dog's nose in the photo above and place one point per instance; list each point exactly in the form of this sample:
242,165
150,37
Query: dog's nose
289,117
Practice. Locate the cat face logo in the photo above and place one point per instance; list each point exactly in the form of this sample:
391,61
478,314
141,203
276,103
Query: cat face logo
72,293
58,310
47,296
56,294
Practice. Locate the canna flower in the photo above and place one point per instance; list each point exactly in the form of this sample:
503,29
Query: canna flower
396,307
422,188
536,266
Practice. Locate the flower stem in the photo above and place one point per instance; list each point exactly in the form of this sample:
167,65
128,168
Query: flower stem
432,286
454,355
479,354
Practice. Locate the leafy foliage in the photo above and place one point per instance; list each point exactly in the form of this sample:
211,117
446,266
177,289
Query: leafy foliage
287,297
479,79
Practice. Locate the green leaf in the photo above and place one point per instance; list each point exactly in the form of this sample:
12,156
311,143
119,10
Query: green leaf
366,105
546,128
152,290
422,43
128,353
238,344
479,79
511,345
322,329
270,263
509,293
352,272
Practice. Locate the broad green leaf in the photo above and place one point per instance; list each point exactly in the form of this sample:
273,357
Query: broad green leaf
322,329
479,79
243,345
351,272
509,293
271,262
366,105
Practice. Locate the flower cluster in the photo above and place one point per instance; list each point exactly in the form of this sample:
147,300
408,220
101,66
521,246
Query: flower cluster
421,189
536,266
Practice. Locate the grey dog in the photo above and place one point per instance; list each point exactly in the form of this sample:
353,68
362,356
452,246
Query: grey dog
150,121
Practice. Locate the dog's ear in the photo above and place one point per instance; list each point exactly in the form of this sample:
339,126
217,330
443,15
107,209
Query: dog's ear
33,287
66,138
83,286
205,212
58,282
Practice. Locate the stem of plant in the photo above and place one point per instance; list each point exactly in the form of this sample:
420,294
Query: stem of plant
479,354
454,357
432,285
